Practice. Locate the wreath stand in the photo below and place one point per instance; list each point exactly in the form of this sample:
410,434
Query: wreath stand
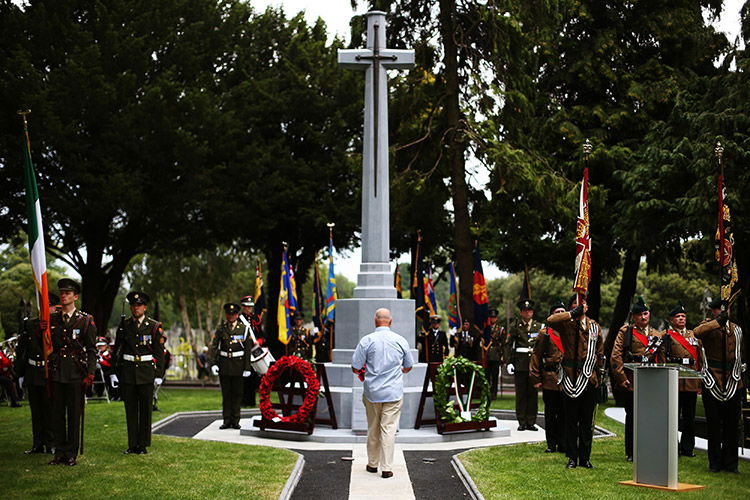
429,376
290,383
444,427
320,369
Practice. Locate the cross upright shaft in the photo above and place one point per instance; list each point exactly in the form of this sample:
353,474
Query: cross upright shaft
374,277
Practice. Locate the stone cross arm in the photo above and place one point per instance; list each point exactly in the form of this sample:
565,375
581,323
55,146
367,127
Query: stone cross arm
363,58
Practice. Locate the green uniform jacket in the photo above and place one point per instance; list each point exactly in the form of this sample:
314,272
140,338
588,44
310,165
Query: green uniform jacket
521,337
30,354
73,347
138,342
236,349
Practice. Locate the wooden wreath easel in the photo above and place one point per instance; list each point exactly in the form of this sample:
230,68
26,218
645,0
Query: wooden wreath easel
288,384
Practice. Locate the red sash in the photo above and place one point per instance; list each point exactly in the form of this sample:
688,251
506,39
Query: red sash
640,336
556,339
684,343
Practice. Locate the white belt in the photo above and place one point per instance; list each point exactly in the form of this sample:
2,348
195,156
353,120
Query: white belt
231,354
130,357
524,349
36,363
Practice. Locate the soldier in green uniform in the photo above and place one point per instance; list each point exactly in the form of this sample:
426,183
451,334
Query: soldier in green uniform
71,370
230,354
492,350
466,341
633,344
522,337
302,339
681,346
139,364
30,368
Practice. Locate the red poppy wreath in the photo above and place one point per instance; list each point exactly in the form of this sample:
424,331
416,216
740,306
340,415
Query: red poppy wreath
273,373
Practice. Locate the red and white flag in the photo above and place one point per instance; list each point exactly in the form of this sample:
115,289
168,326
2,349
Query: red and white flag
583,240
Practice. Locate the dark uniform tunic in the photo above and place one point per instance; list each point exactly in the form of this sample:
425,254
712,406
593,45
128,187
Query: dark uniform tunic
230,350
722,384
30,365
72,359
302,343
675,352
434,344
139,359
583,362
518,348
545,364
465,343
493,354
629,352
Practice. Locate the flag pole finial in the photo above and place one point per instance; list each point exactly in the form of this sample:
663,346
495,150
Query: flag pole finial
719,151
587,148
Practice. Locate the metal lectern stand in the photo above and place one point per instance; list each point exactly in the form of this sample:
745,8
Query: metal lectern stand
655,425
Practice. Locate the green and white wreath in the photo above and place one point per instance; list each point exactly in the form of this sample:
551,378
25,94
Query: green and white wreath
447,374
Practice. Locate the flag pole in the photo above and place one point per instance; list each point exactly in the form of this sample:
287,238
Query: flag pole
719,153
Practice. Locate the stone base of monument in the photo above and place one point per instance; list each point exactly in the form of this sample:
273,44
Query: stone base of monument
425,435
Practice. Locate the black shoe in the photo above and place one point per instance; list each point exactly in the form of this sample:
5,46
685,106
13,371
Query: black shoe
35,449
371,469
70,462
521,427
551,449
142,450
130,451
586,463
629,458
532,427
571,464
236,426
386,474
224,426
688,454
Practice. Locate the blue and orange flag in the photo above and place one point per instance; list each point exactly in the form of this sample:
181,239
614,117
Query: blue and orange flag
318,300
481,299
454,313
331,293
429,292
259,298
287,300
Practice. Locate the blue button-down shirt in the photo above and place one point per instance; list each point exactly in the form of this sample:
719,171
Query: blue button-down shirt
383,352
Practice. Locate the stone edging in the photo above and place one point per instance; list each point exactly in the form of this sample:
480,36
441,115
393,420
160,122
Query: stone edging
465,478
291,483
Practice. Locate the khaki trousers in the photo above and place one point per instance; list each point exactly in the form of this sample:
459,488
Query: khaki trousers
382,423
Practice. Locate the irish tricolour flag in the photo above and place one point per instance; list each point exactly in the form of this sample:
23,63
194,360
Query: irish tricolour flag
36,243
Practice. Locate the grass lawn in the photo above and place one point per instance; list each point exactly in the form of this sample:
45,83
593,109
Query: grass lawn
175,468
525,471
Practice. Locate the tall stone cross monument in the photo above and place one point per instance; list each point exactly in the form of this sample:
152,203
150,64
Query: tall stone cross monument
355,317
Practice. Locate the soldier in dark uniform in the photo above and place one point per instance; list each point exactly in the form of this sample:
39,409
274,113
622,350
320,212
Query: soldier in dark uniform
71,370
251,322
583,366
434,341
139,364
723,357
30,368
522,337
302,340
466,341
492,350
322,342
681,346
545,364
632,346
230,353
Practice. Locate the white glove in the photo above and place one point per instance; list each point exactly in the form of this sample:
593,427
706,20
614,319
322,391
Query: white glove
20,381
215,369
315,329
246,373
510,369
158,381
115,381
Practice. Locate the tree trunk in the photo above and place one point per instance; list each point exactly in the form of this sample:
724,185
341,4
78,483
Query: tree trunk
456,147
199,315
100,287
189,334
273,257
209,320
628,282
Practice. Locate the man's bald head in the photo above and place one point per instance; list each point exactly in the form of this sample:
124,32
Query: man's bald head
383,317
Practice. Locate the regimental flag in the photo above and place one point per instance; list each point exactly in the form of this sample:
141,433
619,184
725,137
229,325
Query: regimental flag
259,298
583,240
481,300
526,289
318,300
725,245
429,292
397,283
454,313
287,300
417,278
331,293
36,244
